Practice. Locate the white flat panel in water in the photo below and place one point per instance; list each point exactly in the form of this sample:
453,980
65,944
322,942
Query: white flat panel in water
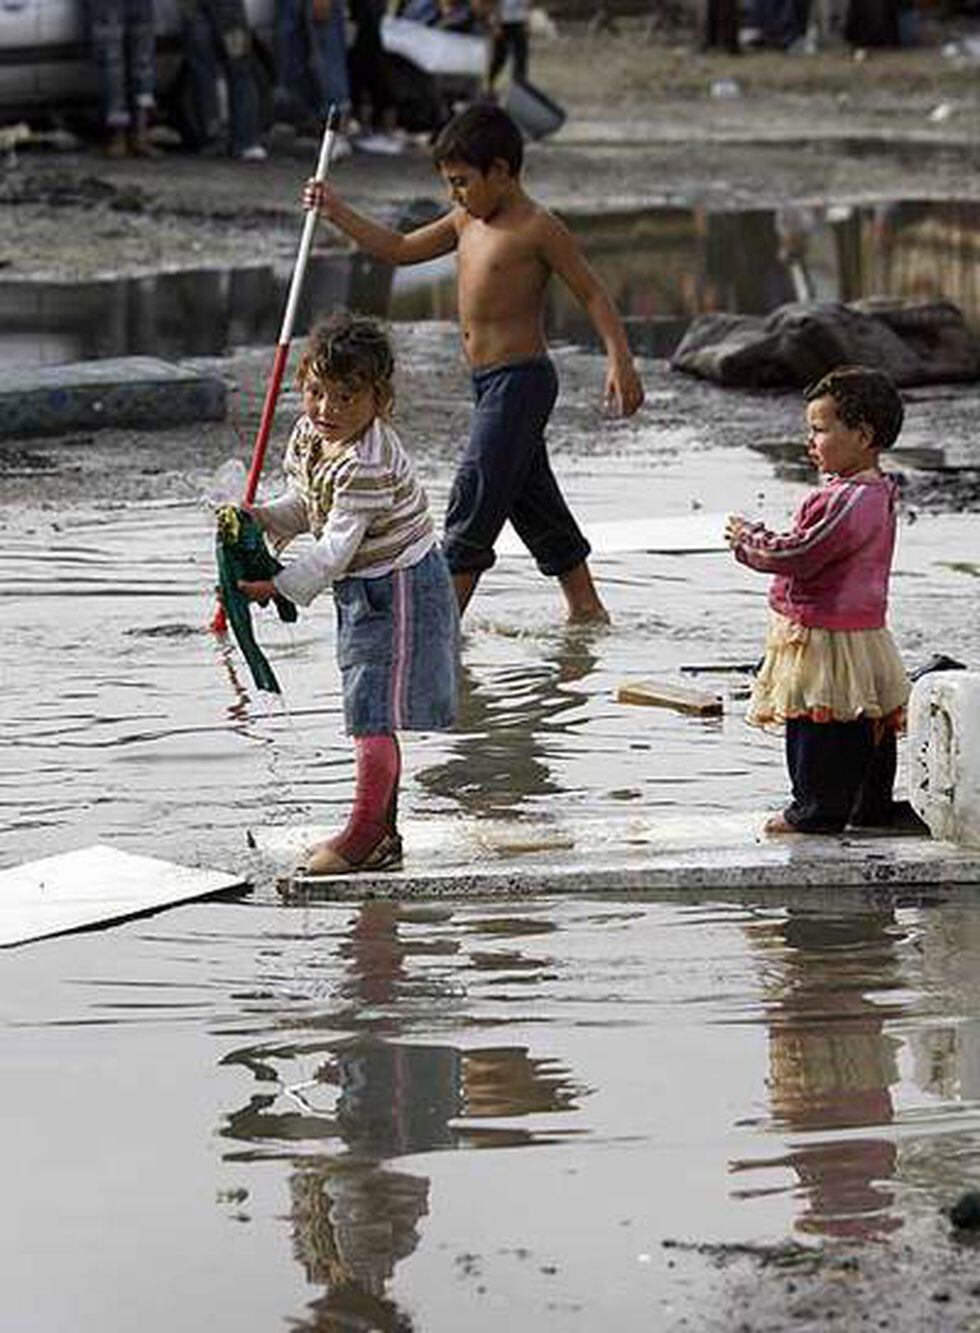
677,535
94,886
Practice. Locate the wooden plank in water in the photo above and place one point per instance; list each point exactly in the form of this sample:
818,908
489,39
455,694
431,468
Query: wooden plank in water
665,694
680,534
93,887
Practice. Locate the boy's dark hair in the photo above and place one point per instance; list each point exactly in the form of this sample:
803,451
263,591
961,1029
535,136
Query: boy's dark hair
479,136
863,397
349,347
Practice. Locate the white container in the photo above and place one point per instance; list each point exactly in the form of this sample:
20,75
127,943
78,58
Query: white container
432,49
944,754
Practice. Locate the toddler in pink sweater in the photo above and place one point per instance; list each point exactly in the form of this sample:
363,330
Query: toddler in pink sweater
831,673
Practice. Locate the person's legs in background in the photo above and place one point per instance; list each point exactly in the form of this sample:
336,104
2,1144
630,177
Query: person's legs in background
216,31
106,34
141,72
243,98
328,58
293,94
373,97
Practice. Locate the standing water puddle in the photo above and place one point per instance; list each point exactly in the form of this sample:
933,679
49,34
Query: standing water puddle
395,1117
667,264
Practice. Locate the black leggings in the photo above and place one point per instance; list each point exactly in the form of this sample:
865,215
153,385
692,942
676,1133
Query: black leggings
511,37
839,774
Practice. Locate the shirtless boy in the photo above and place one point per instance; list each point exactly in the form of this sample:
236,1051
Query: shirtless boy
508,246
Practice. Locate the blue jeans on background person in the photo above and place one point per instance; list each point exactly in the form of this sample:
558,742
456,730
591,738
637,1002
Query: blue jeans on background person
782,21
311,57
216,33
124,46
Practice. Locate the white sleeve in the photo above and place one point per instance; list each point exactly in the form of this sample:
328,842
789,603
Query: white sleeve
302,579
283,518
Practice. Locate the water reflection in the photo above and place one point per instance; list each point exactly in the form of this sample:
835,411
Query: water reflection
672,261
508,724
832,1066
356,1101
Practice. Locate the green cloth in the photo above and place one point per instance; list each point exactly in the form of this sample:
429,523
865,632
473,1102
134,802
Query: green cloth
242,554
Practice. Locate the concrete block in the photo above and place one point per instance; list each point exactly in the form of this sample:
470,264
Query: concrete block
649,854
944,755
137,391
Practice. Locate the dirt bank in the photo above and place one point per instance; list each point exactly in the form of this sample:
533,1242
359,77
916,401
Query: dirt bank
644,127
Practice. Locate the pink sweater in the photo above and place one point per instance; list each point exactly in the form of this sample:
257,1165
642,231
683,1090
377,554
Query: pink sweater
832,566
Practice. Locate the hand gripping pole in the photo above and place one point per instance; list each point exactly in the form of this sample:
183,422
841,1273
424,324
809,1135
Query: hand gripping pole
219,623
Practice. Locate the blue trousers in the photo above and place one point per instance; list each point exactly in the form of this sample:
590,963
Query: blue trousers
311,56
124,45
216,33
505,473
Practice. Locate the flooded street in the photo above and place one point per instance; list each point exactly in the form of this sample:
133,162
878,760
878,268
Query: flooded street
388,1117
662,266
709,1113
407,1117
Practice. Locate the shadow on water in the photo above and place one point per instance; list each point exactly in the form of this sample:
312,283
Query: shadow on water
662,266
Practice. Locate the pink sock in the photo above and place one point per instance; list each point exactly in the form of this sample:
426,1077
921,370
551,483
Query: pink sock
372,817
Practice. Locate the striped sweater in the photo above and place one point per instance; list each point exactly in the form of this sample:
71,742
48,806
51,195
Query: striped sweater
832,566
362,503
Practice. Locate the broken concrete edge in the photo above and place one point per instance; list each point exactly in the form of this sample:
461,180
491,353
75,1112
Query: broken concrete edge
950,869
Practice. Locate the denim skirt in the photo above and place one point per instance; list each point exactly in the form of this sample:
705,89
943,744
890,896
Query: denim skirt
398,649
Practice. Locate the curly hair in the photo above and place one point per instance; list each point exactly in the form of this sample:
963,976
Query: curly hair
351,348
863,397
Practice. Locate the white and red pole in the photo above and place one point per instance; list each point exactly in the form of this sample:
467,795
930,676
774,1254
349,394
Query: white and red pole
219,624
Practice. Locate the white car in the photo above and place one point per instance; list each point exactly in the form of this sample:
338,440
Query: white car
46,61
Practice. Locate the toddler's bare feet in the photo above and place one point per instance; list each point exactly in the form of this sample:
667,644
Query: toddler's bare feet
778,823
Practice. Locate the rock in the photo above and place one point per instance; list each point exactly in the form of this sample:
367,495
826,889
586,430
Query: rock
965,1212
914,342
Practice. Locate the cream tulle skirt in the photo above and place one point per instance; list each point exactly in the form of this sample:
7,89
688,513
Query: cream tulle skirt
828,676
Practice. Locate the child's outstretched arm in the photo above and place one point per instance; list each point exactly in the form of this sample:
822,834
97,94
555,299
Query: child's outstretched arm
381,242
564,256
828,524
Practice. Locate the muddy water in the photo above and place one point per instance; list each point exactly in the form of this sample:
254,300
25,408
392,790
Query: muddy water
665,262
386,1117
241,1116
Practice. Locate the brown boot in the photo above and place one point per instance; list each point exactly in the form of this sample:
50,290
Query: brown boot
117,144
139,136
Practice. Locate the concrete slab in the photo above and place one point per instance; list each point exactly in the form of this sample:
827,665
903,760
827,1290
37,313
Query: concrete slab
87,395
487,859
95,886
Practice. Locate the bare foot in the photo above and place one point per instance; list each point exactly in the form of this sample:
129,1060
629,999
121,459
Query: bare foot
584,604
778,823
597,615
